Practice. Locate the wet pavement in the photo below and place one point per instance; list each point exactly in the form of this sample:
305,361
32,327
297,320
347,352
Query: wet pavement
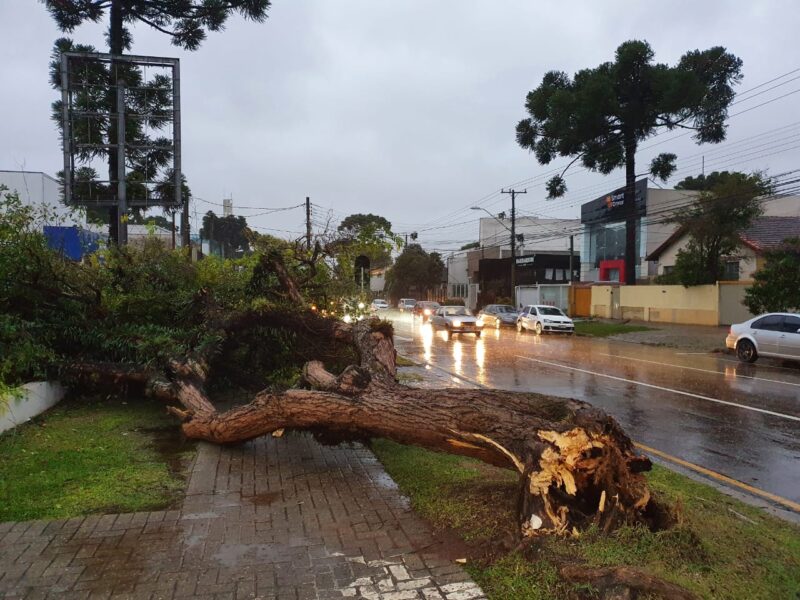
275,518
738,420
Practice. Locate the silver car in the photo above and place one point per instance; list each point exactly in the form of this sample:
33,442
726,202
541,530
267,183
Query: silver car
540,318
455,319
773,334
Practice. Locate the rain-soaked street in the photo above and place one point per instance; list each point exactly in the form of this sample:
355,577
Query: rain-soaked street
738,420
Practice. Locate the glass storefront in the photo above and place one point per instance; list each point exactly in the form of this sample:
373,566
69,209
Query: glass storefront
607,241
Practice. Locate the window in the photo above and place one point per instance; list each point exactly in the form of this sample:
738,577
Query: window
769,323
669,269
791,324
730,270
548,274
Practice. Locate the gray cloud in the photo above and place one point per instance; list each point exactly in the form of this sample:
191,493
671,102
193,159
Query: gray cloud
406,109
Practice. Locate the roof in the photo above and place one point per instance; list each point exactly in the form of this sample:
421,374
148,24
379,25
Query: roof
764,234
769,232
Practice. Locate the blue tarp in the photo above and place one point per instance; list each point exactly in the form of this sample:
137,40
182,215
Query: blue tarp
72,242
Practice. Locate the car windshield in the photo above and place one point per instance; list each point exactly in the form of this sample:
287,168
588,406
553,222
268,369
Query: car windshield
505,308
456,311
550,310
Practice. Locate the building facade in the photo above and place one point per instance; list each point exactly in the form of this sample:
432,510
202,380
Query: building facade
43,193
603,221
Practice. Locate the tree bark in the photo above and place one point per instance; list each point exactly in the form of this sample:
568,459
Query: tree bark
575,464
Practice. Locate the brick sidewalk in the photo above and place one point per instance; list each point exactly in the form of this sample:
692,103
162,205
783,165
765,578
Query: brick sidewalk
276,518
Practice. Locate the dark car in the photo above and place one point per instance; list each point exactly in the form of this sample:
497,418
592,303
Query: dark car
425,309
497,315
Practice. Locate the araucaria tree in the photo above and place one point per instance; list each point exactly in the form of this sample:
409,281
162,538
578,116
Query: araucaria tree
186,22
601,115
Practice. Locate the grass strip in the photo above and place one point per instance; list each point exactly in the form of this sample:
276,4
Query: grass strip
92,456
721,548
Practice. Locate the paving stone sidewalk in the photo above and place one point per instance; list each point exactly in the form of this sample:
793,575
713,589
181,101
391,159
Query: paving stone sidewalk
276,518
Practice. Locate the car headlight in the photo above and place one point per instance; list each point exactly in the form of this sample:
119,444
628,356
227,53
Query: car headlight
426,312
456,323
347,319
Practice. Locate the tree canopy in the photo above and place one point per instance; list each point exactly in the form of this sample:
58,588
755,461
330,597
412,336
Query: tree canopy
231,231
777,283
364,235
414,269
714,222
708,182
600,115
185,21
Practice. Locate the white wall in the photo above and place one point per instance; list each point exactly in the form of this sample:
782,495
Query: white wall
34,399
41,191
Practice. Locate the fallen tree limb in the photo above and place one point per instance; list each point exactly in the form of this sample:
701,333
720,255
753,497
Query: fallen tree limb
576,465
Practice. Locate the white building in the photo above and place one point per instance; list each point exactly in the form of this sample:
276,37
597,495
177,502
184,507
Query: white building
42,192
537,235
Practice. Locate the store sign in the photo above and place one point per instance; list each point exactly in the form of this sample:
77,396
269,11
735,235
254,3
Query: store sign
611,207
525,260
614,200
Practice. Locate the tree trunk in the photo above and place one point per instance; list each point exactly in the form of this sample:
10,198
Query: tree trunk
576,466
629,207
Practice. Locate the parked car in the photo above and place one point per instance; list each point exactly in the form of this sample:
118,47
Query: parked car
540,318
406,304
425,309
379,304
455,319
772,334
497,315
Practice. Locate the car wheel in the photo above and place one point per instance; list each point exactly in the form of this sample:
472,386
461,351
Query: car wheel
746,351
538,328
520,328
477,334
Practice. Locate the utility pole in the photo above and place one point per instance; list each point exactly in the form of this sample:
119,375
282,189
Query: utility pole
571,252
122,202
514,240
308,222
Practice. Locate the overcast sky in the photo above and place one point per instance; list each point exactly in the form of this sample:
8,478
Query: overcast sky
407,109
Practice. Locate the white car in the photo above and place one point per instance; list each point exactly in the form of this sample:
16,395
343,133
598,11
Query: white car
379,304
456,319
773,334
540,318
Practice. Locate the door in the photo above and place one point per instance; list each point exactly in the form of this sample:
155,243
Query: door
767,331
583,302
789,343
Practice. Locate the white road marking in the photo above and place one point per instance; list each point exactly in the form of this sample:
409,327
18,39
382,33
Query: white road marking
405,339
664,389
655,362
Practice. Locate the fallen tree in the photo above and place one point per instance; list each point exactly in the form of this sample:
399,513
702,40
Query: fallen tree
576,466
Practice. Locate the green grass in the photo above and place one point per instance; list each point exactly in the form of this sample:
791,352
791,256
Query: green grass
601,329
402,361
713,551
92,456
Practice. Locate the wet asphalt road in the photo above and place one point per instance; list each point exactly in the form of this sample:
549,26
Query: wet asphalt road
740,420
